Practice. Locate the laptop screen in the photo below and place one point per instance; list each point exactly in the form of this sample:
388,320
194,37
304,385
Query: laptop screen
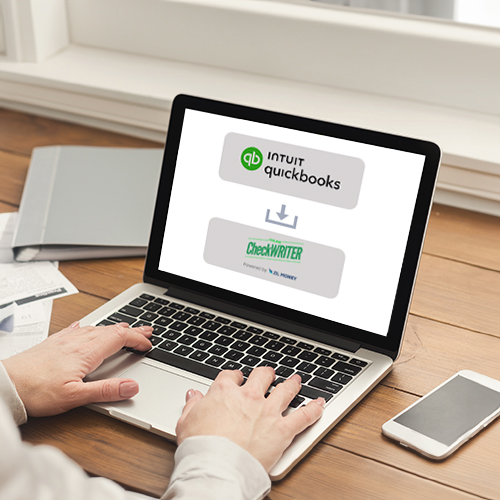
314,223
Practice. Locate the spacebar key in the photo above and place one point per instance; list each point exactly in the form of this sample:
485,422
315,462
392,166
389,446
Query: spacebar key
183,363
311,393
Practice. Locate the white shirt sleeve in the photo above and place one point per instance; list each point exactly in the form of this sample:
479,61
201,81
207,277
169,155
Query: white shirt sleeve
206,467
211,467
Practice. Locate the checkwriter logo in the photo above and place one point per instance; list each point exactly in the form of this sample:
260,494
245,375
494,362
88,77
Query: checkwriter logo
251,158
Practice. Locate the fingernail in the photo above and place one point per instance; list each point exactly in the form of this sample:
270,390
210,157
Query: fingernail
128,389
189,394
76,324
320,401
297,377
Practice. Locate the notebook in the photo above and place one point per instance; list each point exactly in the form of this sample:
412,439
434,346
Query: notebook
276,240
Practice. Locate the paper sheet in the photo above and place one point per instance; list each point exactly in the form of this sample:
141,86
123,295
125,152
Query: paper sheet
7,227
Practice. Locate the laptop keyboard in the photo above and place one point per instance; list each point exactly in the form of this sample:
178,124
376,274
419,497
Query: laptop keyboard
205,343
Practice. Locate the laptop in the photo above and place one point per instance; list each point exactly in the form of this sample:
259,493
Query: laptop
276,240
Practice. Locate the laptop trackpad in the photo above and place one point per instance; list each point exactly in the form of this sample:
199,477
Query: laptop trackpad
161,397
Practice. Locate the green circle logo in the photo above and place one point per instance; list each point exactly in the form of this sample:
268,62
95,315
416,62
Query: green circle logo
251,158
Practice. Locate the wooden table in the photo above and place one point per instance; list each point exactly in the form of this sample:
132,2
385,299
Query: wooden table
454,324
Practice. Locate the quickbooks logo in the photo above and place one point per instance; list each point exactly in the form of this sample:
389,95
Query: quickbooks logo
310,174
251,158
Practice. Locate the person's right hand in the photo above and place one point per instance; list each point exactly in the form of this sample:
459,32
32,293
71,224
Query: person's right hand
243,414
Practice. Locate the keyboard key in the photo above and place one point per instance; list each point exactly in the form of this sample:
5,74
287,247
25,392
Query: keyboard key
345,368
121,318
238,326
147,296
313,393
178,325
184,350
168,345
341,378
325,385
163,321
218,350
166,311
186,340
274,345
196,320
177,306
290,362
290,350
256,351
162,302
308,356
250,360
240,346
105,322
202,344
231,365
224,340
296,402
323,352
325,361
246,370
191,310
358,362
303,345
141,322
221,319
171,335
242,335
199,356
277,381
258,340
207,335
181,316
193,330
158,330
149,316
206,315
304,377
306,367
183,363
138,302
226,330
323,372
215,361
254,330
212,326
156,340
233,355
271,335
273,356
283,371
152,307
288,340
341,357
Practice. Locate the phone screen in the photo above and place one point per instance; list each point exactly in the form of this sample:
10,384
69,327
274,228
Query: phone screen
452,410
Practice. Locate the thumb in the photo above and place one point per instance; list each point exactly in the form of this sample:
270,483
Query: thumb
101,391
192,397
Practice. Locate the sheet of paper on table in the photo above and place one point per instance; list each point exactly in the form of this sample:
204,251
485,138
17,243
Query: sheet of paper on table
26,293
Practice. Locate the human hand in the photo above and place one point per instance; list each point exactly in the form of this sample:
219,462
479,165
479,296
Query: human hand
242,413
49,376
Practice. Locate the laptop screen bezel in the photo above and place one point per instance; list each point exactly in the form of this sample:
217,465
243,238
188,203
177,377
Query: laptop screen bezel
310,326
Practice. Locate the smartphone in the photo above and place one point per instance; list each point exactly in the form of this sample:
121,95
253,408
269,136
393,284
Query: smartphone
445,418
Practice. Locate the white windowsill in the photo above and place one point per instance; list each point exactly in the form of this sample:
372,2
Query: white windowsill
133,94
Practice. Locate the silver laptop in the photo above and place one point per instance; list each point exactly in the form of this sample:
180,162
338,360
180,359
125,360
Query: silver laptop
276,240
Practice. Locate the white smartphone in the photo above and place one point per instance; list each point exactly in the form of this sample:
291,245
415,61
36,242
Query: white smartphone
445,418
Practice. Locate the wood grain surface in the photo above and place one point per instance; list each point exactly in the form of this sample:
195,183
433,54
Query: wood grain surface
454,324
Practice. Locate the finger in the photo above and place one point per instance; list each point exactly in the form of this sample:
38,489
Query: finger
283,393
101,391
112,338
305,416
261,378
235,376
192,397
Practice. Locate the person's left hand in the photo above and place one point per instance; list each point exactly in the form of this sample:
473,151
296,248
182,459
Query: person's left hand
49,376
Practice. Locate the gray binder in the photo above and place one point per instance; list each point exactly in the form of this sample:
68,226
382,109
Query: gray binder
83,202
